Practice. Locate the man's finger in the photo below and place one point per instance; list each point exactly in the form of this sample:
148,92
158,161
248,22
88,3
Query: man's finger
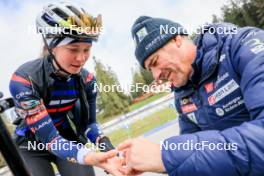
124,145
129,172
123,161
124,170
107,155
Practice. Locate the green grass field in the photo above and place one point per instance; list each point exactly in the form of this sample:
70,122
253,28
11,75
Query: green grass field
146,101
144,125
133,107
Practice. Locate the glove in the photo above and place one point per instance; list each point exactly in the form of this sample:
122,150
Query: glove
93,132
105,144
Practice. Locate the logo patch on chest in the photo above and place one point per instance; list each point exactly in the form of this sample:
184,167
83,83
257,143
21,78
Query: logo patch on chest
222,92
209,87
185,101
219,111
189,108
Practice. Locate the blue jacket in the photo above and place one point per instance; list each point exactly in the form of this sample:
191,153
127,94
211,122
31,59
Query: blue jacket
43,101
221,109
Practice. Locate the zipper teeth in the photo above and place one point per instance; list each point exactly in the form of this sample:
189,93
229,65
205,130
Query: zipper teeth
209,75
201,99
206,114
215,65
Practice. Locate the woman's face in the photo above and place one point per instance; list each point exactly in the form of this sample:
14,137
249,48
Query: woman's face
72,57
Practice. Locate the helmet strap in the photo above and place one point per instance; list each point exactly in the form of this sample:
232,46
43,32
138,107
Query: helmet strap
58,70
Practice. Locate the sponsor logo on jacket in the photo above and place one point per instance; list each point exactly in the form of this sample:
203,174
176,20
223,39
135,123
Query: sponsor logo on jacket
222,92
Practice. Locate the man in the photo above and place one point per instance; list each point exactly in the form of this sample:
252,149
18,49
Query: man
218,82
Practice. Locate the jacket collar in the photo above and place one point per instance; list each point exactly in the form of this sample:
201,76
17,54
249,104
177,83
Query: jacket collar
209,47
208,52
50,70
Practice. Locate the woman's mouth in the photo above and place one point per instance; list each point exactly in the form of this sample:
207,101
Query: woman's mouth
76,66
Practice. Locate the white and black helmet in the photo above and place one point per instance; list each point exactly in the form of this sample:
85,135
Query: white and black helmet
65,19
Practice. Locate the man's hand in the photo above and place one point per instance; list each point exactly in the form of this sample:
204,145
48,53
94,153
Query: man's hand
141,155
106,160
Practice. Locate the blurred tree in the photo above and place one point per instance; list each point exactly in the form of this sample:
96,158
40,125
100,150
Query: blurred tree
111,99
243,13
138,82
140,78
146,75
216,19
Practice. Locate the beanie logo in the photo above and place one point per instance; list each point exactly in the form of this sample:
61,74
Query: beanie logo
155,42
141,34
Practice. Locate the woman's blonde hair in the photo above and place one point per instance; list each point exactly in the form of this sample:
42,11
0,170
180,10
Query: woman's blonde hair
44,52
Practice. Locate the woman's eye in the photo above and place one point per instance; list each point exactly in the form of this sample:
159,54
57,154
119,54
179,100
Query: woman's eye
73,49
86,50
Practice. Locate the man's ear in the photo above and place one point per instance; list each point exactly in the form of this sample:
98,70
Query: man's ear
178,40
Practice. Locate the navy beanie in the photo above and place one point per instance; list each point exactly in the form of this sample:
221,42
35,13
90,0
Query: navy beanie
150,34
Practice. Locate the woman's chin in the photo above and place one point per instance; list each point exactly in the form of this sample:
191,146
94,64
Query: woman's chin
74,70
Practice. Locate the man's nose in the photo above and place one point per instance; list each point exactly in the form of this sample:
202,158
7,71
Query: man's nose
156,73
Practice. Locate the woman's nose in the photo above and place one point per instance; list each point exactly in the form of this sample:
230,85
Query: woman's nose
81,57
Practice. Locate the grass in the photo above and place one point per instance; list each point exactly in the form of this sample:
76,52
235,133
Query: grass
100,119
132,107
142,126
146,101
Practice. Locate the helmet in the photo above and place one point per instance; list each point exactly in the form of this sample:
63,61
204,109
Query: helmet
65,19
62,23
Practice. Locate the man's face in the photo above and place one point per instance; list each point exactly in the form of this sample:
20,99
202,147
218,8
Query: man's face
173,61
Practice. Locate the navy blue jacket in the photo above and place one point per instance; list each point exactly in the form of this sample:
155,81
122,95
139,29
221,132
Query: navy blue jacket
221,109
43,101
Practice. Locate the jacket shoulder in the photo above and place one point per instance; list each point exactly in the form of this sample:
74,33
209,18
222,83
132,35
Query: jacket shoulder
87,76
30,68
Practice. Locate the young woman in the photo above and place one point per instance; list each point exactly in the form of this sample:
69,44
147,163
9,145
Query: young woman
56,98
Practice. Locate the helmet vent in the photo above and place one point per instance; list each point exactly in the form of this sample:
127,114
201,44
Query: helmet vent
60,13
75,11
48,19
